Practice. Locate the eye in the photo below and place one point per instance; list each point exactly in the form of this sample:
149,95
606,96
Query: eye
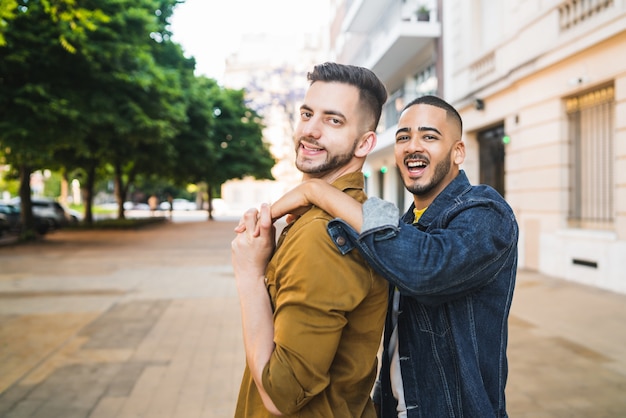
402,138
305,115
335,121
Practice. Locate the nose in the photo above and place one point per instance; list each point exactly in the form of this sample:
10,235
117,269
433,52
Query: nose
309,128
414,145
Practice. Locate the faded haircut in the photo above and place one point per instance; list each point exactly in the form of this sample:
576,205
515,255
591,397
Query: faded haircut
451,112
372,92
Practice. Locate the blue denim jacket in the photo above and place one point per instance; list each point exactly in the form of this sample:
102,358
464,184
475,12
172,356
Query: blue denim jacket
455,270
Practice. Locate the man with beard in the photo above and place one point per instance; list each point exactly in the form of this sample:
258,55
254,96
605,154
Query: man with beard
313,316
451,260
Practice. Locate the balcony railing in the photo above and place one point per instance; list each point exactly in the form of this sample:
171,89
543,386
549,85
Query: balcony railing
574,12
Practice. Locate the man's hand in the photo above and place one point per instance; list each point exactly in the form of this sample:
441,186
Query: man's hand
254,244
295,202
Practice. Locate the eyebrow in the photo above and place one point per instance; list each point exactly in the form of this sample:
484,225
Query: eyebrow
420,129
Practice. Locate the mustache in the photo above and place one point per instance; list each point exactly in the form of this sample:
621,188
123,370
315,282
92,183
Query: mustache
309,141
416,157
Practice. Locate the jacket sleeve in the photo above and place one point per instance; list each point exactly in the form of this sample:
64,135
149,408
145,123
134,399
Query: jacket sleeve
463,251
317,286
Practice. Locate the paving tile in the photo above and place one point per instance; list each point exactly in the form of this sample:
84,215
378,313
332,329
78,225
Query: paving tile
146,324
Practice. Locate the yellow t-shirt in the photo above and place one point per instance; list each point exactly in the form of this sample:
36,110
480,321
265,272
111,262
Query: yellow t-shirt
418,214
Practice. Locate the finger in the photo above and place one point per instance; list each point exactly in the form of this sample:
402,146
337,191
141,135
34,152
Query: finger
265,218
247,221
242,222
257,229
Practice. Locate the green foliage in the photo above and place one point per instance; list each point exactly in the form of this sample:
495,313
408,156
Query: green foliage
7,13
101,90
8,184
240,148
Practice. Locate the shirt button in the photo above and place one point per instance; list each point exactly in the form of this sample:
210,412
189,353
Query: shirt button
340,241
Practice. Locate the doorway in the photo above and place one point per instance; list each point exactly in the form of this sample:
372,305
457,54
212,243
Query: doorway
491,157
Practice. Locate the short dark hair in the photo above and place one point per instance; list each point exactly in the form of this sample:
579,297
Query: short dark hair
372,92
451,112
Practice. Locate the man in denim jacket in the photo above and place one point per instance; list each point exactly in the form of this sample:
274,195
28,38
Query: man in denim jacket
451,261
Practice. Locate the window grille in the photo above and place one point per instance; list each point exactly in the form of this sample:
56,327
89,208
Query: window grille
590,123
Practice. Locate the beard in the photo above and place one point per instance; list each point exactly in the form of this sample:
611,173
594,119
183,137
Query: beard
441,171
331,163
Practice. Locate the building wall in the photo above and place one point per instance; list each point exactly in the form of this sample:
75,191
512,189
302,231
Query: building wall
524,79
523,59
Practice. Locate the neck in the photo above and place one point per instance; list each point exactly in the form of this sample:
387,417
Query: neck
331,176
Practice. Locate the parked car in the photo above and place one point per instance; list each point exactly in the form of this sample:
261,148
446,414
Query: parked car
4,224
128,205
179,204
184,204
51,212
12,211
11,215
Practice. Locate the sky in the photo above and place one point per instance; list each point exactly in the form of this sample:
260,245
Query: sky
210,30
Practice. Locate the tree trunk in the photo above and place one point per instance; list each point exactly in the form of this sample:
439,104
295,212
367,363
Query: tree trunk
210,201
90,181
120,192
26,207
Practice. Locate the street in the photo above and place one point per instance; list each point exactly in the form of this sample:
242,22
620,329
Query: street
145,323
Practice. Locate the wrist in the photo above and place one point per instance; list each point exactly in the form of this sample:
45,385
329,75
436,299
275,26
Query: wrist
310,192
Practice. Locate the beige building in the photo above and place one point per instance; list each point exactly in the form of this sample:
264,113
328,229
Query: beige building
541,87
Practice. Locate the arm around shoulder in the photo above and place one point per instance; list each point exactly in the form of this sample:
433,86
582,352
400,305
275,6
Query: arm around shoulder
323,195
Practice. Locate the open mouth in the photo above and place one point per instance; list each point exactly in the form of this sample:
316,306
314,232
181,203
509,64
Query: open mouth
416,167
310,149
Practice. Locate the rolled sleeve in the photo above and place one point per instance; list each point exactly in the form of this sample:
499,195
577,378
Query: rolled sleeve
379,214
317,287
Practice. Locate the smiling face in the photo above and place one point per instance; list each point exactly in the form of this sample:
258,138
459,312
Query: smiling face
428,151
331,138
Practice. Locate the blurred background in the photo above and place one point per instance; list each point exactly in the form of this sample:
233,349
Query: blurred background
195,102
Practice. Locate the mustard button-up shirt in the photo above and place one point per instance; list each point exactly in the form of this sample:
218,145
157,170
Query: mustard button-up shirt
329,312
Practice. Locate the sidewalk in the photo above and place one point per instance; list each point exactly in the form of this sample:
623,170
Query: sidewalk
146,323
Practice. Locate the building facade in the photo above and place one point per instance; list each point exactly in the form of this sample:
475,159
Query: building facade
541,88
400,42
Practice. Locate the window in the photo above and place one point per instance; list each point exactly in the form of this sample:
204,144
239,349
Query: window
590,125
392,108
426,81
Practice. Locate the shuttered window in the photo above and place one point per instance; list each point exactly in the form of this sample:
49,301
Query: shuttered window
591,125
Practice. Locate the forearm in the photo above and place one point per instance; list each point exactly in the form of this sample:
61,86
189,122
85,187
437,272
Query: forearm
258,334
334,201
250,254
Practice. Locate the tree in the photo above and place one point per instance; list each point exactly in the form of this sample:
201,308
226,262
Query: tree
34,109
140,90
238,139
221,140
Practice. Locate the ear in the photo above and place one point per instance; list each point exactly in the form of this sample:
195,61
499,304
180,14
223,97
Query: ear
366,144
459,152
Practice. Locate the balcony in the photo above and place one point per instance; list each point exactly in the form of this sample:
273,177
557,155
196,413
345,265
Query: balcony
387,37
